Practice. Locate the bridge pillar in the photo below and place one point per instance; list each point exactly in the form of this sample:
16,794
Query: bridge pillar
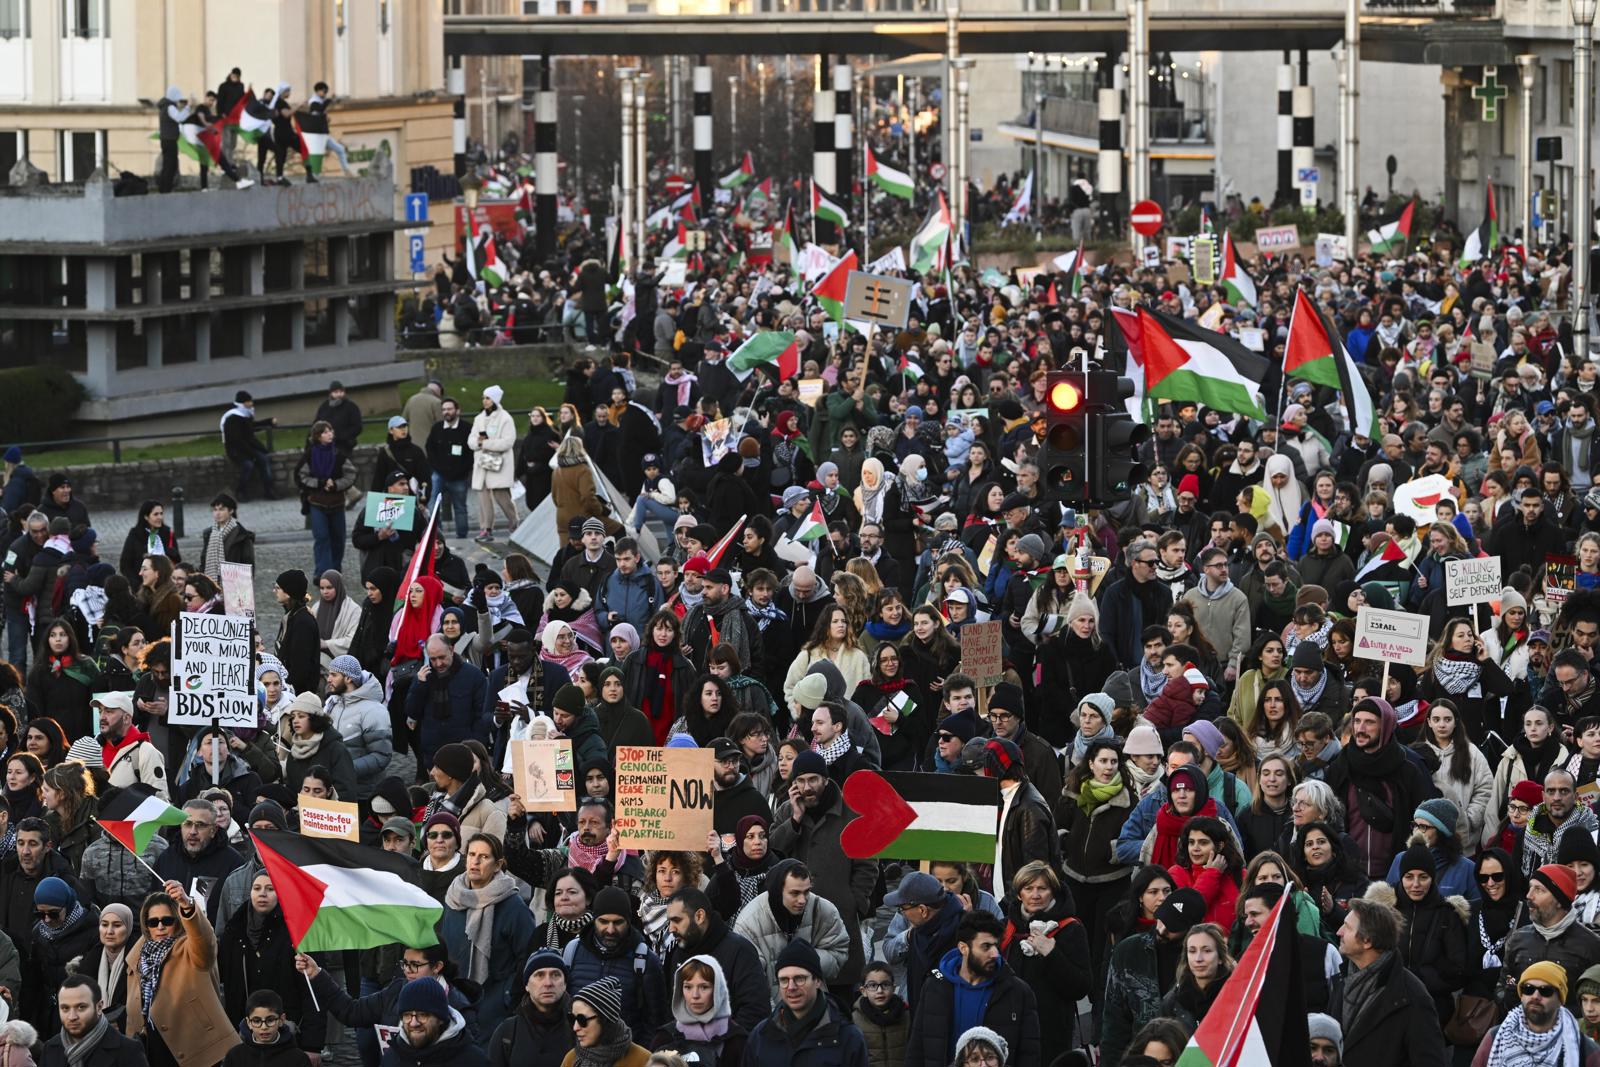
824,172
1108,172
844,138
546,172
1285,190
702,131
1304,152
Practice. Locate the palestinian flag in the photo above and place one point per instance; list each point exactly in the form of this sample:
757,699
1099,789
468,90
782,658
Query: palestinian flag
775,349
761,194
677,247
618,266
254,119
1392,553
1022,207
1259,1018
339,895
903,705
812,526
203,144
1235,279
134,814
313,144
911,369
1392,235
894,182
421,557
741,174
928,243
717,550
912,816
830,290
1124,333
481,259
1314,353
783,234
1183,361
826,210
1482,242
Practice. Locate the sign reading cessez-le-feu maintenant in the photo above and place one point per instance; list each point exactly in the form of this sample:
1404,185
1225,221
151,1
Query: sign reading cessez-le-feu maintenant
211,677
1396,636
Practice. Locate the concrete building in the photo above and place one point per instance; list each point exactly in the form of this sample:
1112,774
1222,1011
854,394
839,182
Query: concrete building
78,77
163,306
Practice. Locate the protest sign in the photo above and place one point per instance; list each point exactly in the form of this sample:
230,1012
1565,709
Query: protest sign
238,590
665,797
1560,579
395,510
1277,239
212,681
1418,497
1391,636
981,655
1472,581
329,818
810,390
543,775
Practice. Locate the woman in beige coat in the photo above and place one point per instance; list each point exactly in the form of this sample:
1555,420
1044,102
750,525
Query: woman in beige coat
174,964
494,436
573,489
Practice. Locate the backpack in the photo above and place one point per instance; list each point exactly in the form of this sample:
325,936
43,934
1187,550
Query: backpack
641,956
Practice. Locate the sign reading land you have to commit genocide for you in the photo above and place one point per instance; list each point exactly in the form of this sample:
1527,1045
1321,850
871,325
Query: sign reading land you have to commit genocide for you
664,797
211,677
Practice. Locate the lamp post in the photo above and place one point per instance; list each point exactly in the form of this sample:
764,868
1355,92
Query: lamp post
958,206
948,119
625,209
1138,107
641,159
1352,126
1528,69
1583,12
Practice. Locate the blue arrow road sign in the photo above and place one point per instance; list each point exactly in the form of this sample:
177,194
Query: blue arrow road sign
416,207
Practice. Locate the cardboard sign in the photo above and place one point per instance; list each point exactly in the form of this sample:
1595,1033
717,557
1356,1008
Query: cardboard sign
1418,497
329,818
665,797
1178,247
395,510
1333,245
1150,256
810,390
1472,581
1560,579
1277,239
212,680
878,299
675,274
1396,636
981,654
543,775
1202,259
238,590
1483,360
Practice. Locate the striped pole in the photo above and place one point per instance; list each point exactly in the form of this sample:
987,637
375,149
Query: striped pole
1304,153
702,129
1108,173
456,86
546,171
844,135
823,170
1285,131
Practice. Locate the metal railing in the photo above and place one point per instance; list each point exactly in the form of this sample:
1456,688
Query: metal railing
115,443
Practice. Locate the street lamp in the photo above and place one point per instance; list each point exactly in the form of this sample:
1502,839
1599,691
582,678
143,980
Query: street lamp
471,187
1583,13
1528,69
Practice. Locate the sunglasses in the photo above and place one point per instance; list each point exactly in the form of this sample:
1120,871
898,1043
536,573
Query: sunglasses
1532,989
1491,876
943,736
440,835
580,1020
158,922
49,915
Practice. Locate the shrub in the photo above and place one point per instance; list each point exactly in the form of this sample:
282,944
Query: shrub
40,403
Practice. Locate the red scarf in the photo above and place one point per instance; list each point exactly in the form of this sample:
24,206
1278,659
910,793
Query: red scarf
1169,828
60,663
660,713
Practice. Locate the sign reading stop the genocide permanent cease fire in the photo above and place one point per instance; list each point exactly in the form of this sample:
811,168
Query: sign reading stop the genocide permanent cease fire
878,299
1146,217
665,797
1395,636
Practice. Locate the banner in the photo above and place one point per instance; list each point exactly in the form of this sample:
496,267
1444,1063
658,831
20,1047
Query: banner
395,510
1472,581
1277,239
329,818
665,797
543,775
212,680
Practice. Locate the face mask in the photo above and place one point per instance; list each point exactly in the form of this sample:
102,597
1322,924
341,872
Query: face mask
922,475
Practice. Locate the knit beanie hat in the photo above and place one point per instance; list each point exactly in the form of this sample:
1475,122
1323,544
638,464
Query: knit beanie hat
426,995
808,762
543,960
454,759
1509,599
798,953
348,666
1195,677
1143,740
52,892
811,691
1442,813
1323,526
1418,857
1589,983
569,698
294,583
985,1035
442,818
1578,847
1207,735
605,997
1189,483
1529,792
1327,1028
1307,656
1545,971
267,811
1560,880
612,901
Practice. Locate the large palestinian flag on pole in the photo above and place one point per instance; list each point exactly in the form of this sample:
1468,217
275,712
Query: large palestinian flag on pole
771,348
1482,242
912,816
133,816
825,209
830,291
1188,362
740,174
1259,1018
1241,289
1314,353
894,182
339,895
1392,235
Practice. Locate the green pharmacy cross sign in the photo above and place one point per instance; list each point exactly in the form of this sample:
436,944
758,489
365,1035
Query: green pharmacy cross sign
1490,93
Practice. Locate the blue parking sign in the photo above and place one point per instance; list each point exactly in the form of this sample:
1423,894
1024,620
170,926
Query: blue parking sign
419,260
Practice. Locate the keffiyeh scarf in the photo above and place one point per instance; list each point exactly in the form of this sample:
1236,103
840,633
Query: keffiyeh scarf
1456,675
152,957
1517,1046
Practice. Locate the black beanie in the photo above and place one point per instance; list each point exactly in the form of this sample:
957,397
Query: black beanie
271,811
798,953
1418,857
1578,846
612,901
294,583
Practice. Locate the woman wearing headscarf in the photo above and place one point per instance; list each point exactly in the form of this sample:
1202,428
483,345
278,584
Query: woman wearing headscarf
255,951
1285,497
559,645
337,616
790,465
739,875
107,962
702,1029
371,637
494,435
173,1004
487,928
298,637
309,741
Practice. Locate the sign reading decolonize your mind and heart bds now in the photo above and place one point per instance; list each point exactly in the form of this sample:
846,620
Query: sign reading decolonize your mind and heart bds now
1395,636
212,681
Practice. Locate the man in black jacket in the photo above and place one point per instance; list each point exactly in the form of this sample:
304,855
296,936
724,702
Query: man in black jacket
204,855
1524,537
978,967
698,930
343,415
383,1007
18,559
20,874
82,1021
1029,830
451,459
243,448
1389,1016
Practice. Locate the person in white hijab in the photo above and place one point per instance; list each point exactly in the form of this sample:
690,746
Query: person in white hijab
1285,497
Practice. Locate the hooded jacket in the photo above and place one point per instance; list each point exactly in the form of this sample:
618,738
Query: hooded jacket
453,1048
362,719
813,839
1003,1002
819,925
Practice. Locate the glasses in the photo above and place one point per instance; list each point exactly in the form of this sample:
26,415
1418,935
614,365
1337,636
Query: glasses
49,915
944,736
877,987
159,922
413,965
795,980
262,1021
1423,826
1151,562
580,1020
1000,716
440,835
1485,877
1533,989
1517,808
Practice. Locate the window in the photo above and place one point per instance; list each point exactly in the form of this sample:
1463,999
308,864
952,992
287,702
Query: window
1564,92
85,18
79,152
1541,94
13,19
13,146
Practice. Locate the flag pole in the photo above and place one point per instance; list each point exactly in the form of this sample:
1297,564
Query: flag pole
160,881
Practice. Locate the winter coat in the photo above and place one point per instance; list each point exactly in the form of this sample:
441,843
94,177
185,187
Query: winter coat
633,598
1220,889
48,963
455,1047
1012,1012
238,546
114,1051
833,1041
820,926
1576,949
528,1040
114,876
1436,942
451,708
1058,980
139,761
502,438
384,1005
330,753
1028,834
245,965
885,1031
511,939
362,719
1225,620
1471,798
187,1010
848,883
283,1051
1089,841
576,496
1398,1026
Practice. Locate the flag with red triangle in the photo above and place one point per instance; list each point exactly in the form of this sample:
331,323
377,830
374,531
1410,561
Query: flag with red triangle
1315,353
1392,553
1259,1017
830,291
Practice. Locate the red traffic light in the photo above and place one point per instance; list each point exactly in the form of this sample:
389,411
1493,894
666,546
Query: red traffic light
1065,396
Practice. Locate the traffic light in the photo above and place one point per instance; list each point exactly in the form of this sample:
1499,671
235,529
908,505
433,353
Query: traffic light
1064,456
1114,440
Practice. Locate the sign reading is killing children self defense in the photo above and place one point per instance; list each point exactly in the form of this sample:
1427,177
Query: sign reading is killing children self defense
211,677
665,797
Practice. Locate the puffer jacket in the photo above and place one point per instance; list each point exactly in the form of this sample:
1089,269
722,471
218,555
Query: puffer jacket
885,1031
820,926
362,719
1436,942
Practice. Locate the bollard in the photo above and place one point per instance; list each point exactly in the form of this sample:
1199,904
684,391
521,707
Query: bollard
177,511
